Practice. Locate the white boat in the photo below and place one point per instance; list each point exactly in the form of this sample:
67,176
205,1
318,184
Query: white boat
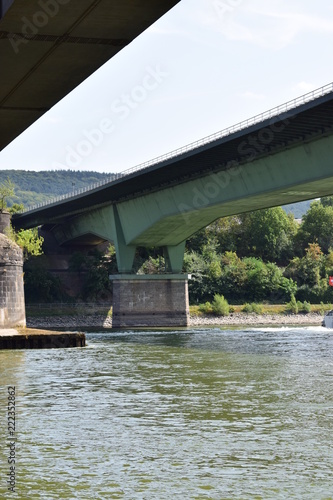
328,320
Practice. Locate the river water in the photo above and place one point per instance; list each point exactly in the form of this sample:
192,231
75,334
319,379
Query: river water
193,414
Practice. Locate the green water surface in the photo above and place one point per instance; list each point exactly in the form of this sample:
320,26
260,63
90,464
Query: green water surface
194,414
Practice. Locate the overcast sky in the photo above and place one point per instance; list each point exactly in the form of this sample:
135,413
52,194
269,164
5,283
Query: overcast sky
206,65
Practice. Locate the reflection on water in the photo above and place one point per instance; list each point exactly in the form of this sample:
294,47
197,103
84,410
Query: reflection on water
202,414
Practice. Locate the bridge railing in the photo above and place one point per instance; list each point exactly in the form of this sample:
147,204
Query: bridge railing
271,113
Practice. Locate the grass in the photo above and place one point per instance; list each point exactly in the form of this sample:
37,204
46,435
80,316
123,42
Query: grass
266,309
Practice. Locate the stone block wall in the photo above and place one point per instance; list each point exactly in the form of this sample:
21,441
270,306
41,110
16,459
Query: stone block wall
12,304
4,221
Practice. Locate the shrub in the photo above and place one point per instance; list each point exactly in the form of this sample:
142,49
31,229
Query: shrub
206,308
292,305
252,308
247,308
299,306
306,307
220,305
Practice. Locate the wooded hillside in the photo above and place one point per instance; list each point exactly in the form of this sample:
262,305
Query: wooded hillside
35,187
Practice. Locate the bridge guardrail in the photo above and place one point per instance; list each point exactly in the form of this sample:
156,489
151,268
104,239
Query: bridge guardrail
271,113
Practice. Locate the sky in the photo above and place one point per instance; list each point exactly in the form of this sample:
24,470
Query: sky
205,66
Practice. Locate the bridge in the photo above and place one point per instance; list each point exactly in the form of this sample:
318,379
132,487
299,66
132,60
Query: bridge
282,156
48,47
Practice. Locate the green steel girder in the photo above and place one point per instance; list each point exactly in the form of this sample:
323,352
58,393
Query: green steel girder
174,256
104,225
168,217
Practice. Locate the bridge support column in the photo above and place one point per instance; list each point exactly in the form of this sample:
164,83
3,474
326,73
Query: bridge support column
150,300
124,253
174,257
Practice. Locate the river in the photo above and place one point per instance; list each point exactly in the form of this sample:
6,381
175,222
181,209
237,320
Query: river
190,414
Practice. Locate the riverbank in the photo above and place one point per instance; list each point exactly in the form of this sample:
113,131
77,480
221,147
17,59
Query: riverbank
234,319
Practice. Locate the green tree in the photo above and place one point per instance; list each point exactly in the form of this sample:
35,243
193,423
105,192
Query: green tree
307,270
327,201
267,234
16,208
234,276
289,286
263,280
317,227
7,189
28,240
225,232
309,273
201,286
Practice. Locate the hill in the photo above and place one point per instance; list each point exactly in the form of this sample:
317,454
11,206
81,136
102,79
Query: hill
298,209
35,187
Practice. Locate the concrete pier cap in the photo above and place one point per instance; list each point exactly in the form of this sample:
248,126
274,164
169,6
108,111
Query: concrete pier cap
150,300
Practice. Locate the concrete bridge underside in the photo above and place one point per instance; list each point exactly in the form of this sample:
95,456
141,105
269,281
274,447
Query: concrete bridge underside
48,47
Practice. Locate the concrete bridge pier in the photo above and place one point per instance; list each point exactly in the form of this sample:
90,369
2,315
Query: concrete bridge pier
149,300
159,300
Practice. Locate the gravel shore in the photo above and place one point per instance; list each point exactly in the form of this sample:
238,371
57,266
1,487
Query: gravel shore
241,319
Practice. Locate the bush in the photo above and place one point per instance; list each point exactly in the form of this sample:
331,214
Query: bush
220,306
252,308
304,307
324,308
292,306
206,308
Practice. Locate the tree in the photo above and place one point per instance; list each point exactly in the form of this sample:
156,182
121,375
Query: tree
317,227
267,234
234,276
308,269
309,272
327,201
201,287
289,286
16,208
263,280
28,240
225,231
7,189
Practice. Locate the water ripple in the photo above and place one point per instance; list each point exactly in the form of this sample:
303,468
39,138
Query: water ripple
202,414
